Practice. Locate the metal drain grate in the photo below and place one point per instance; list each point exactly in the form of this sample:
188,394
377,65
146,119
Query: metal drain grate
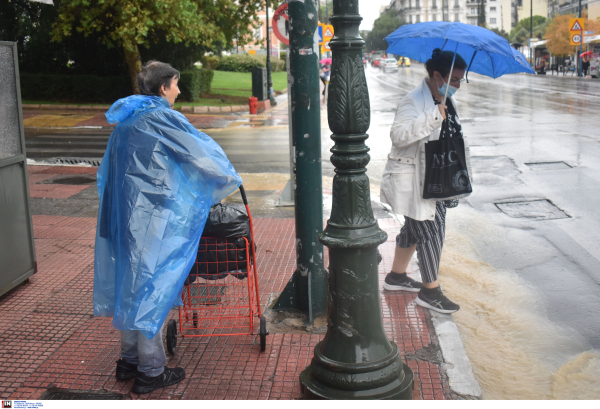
548,165
66,394
75,161
70,180
538,209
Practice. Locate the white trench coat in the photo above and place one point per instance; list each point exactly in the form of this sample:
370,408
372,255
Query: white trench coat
417,121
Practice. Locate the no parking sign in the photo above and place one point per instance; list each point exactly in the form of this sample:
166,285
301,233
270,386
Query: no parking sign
281,24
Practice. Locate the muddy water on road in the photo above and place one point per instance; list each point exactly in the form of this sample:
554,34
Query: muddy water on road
516,352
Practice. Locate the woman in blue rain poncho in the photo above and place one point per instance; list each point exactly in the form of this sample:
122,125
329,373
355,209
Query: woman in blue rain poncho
157,182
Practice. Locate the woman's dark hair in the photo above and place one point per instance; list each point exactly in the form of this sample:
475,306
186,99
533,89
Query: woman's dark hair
155,74
441,61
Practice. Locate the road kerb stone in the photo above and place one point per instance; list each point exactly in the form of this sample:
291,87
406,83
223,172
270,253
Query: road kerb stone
214,109
200,110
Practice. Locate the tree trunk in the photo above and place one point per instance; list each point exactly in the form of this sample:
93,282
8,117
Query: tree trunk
134,62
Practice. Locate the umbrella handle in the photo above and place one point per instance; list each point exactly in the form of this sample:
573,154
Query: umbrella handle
450,74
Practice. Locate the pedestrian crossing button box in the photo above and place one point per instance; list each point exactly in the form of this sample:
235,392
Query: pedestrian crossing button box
259,83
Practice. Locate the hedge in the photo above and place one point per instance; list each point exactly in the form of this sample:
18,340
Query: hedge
194,83
74,88
246,63
93,88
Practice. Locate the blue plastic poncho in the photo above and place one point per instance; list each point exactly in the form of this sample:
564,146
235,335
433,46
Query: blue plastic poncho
156,184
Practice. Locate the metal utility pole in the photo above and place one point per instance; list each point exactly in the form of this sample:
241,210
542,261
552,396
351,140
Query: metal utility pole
578,55
269,80
531,34
355,360
307,290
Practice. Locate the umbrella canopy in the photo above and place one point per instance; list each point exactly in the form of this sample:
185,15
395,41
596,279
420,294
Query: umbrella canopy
486,53
586,53
326,61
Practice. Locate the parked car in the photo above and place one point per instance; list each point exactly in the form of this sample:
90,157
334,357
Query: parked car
389,64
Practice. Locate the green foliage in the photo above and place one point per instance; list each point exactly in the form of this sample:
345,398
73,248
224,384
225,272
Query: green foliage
74,88
239,63
194,83
385,25
323,18
210,62
481,15
501,33
246,63
520,33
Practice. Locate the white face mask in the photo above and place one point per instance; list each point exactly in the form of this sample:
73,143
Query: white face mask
451,89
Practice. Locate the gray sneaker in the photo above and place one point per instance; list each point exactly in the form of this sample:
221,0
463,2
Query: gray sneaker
401,282
434,299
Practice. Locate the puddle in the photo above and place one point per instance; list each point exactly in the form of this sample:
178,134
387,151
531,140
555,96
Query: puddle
71,180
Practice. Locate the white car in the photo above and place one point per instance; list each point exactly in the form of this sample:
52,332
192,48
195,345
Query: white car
389,64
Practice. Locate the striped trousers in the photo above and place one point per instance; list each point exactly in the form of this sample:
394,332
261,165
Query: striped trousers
429,237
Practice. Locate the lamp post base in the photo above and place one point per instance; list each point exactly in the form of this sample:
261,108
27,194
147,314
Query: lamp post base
399,389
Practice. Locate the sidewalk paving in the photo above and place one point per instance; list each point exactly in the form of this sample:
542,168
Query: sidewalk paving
52,340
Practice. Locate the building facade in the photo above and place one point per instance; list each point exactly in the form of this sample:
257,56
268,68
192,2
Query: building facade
498,12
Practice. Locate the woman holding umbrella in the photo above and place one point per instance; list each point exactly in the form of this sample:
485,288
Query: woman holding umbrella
421,116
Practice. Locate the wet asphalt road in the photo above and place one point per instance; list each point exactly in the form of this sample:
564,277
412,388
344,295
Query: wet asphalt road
535,144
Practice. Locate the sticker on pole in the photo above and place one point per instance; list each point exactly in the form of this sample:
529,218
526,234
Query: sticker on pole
281,24
575,39
576,24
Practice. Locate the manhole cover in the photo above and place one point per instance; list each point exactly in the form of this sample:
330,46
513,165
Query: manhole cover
541,209
71,180
66,394
548,165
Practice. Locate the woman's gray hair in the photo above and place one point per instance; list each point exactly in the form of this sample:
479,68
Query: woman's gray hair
154,75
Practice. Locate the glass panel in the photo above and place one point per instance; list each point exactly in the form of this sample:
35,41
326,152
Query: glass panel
10,135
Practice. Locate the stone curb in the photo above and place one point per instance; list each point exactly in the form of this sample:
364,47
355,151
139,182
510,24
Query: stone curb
456,362
184,109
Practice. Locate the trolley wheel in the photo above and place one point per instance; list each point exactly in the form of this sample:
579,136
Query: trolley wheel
263,334
172,336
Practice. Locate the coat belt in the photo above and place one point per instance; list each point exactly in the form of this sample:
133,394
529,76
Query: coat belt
408,161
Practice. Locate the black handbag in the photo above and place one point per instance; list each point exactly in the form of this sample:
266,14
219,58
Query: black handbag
446,173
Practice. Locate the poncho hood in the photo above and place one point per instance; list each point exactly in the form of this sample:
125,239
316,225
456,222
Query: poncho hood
132,105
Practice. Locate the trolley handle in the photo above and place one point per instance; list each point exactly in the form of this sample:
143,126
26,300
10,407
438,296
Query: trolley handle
243,192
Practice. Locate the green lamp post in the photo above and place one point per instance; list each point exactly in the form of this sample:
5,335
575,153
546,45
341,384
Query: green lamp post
355,360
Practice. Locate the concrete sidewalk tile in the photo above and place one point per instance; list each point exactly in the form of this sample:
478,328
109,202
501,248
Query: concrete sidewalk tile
59,191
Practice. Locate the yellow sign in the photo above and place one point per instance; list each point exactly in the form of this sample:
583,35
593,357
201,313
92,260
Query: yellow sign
252,52
326,33
575,38
325,47
576,24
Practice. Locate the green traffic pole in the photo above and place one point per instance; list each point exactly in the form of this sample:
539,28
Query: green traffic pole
355,360
307,290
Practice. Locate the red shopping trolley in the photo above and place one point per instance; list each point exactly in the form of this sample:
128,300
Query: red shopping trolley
221,297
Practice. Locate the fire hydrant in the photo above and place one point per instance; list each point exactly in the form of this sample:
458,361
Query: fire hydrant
253,104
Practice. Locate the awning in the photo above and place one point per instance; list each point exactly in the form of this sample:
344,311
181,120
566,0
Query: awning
539,43
591,39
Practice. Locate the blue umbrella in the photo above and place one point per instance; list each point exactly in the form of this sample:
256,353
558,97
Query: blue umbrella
487,52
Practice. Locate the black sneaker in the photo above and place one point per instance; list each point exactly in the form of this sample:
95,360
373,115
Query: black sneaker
401,282
125,370
147,384
436,300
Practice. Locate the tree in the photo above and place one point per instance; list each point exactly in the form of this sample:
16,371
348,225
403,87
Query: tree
323,8
520,33
481,15
558,35
501,33
129,24
385,25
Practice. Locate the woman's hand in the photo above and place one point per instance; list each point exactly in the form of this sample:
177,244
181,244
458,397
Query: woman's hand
442,109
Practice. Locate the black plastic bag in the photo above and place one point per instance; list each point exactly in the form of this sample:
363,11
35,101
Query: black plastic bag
216,258
446,173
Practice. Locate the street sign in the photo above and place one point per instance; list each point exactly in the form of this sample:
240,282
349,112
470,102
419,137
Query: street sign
588,33
281,24
575,38
325,47
328,31
325,33
576,24
320,28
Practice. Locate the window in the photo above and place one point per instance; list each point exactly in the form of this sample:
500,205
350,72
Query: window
258,34
418,18
492,9
434,17
493,20
473,21
456,18
434,5
473,10
417,4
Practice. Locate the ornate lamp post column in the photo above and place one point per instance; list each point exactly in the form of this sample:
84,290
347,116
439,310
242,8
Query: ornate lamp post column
355,360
